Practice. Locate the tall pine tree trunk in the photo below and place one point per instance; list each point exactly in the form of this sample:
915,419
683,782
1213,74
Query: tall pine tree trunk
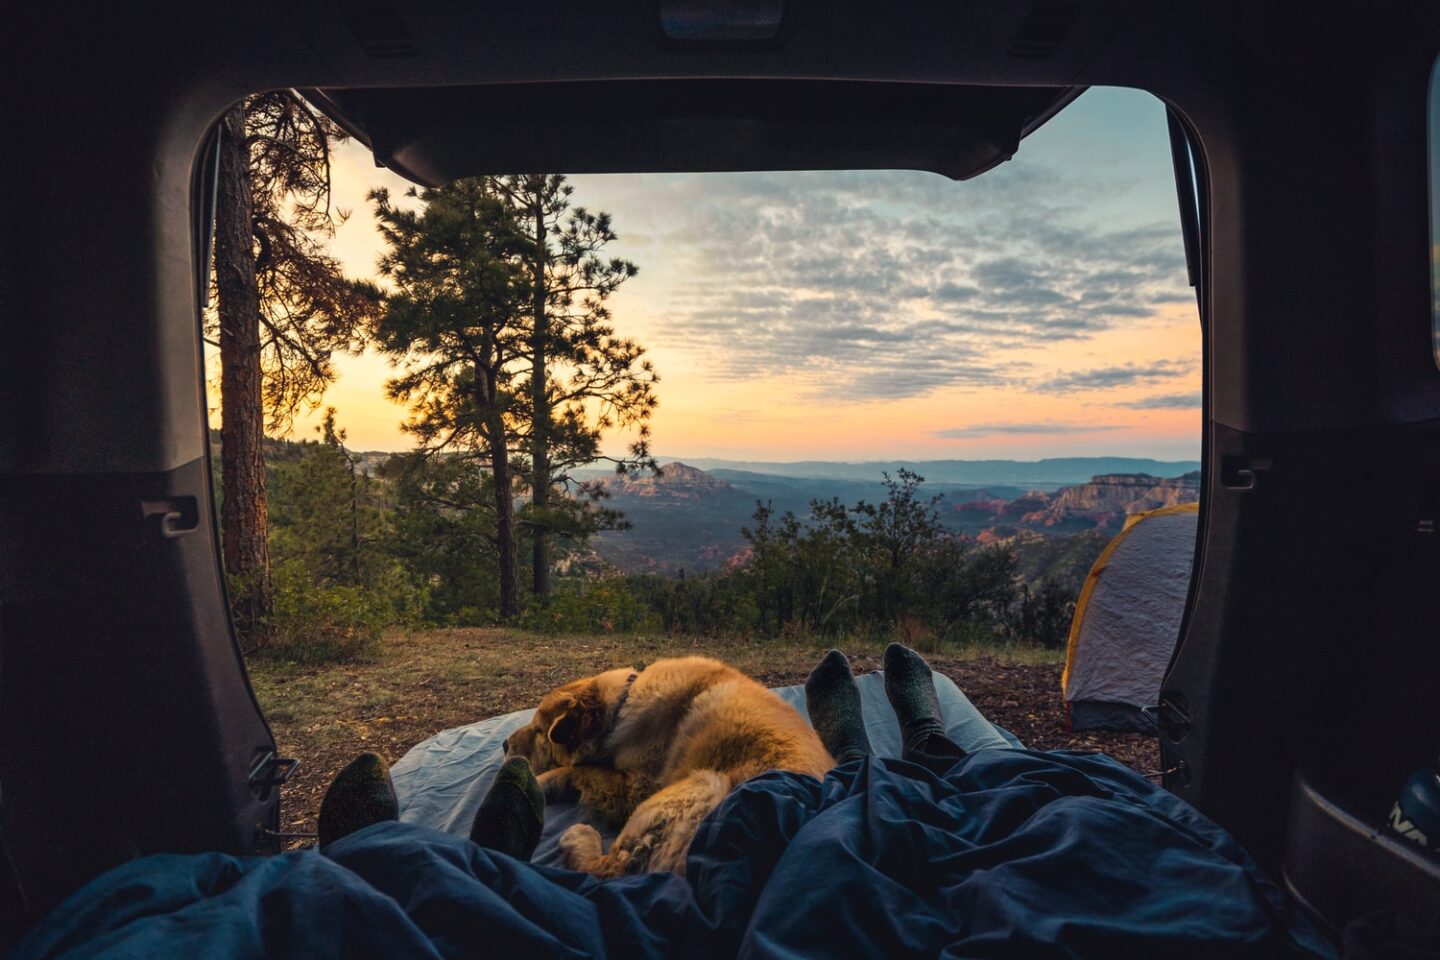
540,425
242,462
504,520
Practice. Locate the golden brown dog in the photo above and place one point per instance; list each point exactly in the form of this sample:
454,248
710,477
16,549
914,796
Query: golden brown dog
656,751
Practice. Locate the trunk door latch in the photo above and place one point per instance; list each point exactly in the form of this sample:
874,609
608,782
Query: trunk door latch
270,771
1169,717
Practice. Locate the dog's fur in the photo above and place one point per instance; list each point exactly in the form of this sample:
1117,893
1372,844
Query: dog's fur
657,753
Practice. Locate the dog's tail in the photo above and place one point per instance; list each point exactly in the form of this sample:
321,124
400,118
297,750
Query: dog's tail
746,770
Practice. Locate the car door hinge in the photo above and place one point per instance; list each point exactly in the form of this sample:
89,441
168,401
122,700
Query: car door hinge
270,771
1169,717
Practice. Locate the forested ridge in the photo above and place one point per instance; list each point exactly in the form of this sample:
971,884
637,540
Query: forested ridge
362,541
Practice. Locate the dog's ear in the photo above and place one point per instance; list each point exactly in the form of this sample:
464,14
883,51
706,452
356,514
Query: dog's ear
580,720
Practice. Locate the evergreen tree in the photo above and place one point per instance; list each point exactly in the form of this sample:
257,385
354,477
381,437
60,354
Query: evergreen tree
968,591
443,533
893,536
877,566
455,321
324,510
1045,614
283,307
582,379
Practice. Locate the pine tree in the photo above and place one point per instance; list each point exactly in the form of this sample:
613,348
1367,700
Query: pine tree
324,510
283,309
456,321
442,533
893,535
583,379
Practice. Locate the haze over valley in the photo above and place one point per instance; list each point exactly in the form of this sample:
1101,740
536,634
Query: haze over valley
690,519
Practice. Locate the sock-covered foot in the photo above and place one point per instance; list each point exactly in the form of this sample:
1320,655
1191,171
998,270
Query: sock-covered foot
512,815
910,688
360,795
834,704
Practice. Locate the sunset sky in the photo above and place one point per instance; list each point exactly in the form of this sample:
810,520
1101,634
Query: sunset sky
1039,310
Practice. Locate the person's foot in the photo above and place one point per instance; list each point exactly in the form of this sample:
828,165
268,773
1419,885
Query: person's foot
910,688
834,704
512,815
360,795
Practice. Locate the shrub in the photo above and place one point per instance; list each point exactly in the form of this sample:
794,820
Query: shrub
470,616
320,624
913,632
404,601
972,633
712,604
602,606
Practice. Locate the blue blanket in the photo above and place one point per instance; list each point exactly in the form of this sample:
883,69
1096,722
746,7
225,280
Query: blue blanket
1006,853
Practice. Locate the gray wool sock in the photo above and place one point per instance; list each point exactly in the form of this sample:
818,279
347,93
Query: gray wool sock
910,688
512,815
834,704
360,795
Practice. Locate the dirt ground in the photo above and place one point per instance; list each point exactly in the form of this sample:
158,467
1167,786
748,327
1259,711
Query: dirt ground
423,682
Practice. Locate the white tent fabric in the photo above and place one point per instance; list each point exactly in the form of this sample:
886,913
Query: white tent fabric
1128,620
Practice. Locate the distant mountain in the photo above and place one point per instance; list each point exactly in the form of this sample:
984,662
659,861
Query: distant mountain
1031,474
676,481
1100,505
690,519
683,519
795,493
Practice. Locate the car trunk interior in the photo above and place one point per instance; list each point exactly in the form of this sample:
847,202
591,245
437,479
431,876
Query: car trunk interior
1306,684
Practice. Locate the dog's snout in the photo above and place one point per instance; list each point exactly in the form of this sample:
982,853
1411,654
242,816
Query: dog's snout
505,745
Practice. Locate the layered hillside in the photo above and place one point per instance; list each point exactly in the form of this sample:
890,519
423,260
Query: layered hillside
683,519
676,481
688,519
1099,505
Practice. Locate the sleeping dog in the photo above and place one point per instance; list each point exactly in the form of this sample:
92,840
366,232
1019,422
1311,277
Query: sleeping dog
653,752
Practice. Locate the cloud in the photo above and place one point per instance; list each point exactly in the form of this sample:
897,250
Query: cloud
874,285
951,291
1048,428
1166,401
1108,378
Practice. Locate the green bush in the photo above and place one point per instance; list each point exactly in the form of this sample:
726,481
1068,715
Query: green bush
395,591
310,623
712,604
973,633
470,616
602,606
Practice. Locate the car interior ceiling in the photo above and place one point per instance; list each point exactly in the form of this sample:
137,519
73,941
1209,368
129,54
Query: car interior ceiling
1304,687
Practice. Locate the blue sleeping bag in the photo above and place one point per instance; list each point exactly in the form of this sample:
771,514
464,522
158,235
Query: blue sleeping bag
1005,853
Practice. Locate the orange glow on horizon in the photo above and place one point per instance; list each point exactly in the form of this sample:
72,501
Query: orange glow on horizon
780,418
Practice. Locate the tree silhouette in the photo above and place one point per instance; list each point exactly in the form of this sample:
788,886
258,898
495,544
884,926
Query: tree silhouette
283,307
583,379
455,322
893,535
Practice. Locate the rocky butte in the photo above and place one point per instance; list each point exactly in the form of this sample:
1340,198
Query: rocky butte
1101,505
677,481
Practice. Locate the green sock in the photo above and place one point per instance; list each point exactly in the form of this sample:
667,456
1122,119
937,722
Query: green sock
360,795
512,815
910,688
833,702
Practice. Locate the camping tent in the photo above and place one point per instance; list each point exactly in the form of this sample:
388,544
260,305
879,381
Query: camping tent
1128,619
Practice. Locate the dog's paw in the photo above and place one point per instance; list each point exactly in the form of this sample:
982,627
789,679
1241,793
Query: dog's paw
580,845
557,785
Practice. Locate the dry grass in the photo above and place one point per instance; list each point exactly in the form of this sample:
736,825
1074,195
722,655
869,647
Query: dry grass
419,683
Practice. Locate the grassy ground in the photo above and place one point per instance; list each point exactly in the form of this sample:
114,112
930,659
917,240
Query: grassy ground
419,683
